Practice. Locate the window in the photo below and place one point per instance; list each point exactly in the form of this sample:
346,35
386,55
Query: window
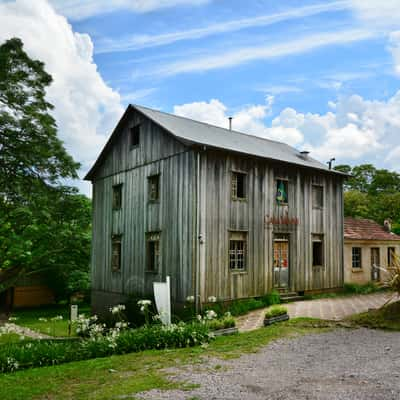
117,197
281,191
134,136
317,250
116,253
237,251
317,196
153,187
391,253
153,252
356,257
238,186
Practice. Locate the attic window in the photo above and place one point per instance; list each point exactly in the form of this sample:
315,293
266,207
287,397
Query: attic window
282,191
117,197
238,186
318,196
135,136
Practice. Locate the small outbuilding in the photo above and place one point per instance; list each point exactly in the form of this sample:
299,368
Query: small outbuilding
367,245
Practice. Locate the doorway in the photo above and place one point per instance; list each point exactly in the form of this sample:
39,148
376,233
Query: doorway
375,275
281,261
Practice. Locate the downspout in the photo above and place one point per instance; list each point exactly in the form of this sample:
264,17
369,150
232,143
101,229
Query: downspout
197,230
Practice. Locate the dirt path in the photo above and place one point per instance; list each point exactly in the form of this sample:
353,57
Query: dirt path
343,364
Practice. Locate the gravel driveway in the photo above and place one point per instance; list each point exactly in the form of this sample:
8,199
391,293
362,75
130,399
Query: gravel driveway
343,364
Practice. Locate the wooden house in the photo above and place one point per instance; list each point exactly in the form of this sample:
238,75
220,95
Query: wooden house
368,245
222,213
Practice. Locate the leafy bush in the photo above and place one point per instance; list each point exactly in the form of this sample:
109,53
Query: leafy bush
133,313
39,353
227,321
355,288
271,298
275,311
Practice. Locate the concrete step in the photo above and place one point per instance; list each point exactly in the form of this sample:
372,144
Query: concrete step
287,297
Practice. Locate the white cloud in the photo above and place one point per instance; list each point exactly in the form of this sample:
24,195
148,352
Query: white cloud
86,109
135,42
247,54
377,12
77,9
249,119
394,47
355,129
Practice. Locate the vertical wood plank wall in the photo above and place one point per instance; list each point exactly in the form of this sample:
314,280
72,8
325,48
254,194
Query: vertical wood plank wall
174,216
224,215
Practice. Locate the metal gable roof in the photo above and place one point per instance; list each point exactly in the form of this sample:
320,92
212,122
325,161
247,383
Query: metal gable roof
191,132
196,132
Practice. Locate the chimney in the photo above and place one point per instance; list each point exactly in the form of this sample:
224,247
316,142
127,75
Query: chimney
387,225
230,123
304,154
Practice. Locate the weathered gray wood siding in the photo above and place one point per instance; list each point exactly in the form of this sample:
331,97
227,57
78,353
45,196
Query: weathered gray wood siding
219,214
173,216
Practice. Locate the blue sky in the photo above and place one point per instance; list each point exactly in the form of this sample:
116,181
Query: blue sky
319,75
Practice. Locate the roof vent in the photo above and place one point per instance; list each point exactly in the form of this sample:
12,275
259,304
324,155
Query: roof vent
230,123
304,154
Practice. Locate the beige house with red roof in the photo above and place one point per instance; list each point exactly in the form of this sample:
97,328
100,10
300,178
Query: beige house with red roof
367,244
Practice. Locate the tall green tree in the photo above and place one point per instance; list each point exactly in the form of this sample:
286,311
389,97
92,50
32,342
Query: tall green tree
372,193
44,225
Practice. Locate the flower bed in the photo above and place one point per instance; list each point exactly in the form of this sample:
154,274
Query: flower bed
49,352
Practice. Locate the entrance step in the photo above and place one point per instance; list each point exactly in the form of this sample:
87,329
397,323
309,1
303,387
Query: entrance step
287,297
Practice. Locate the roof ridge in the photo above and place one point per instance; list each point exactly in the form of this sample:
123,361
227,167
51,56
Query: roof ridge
214,126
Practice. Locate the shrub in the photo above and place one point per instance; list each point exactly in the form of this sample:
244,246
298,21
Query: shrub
271,298
227,321
51,352
275,311
134,315
355,288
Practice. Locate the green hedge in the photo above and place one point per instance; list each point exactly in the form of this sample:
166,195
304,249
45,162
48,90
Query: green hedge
39,353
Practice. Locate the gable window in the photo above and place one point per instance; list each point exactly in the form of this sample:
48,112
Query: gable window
237,251
134,136
117,197
356,257
238,186
282,191
317,250
153,252
116,253
154,187
391,254
317,196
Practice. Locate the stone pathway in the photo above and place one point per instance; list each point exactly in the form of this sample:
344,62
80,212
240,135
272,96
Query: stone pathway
22,331
331,309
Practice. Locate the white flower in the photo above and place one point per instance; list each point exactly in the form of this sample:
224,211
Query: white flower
57,318
144,302
211,314
199,317
118,308
11,319
212,299
41,319
190,299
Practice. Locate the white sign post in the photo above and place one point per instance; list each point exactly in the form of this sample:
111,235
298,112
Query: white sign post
162,296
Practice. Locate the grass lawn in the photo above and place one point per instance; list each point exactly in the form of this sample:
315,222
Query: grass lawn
383,318
9,338
125,375
30,319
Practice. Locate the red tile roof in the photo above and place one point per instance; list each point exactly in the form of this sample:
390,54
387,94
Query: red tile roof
366,229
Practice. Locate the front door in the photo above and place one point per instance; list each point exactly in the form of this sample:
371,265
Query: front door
281,261
375,263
